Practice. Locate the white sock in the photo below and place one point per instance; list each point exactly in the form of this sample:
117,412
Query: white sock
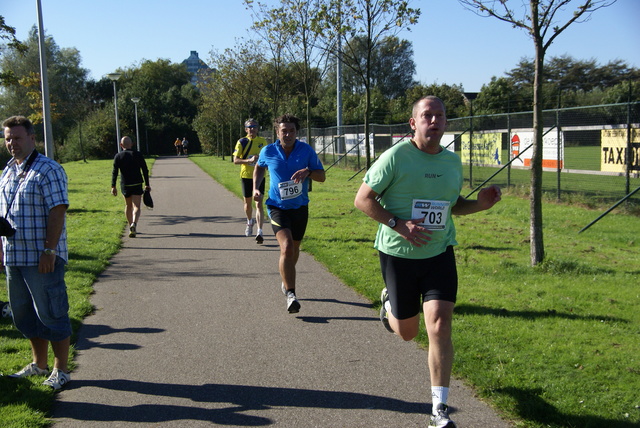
439,394
259,232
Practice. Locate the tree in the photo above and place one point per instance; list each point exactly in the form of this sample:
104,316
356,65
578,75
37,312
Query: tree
543,23
67,84
298,20
236,90
9,33
392,77
392,68
500,95
361,26
168,103
167,107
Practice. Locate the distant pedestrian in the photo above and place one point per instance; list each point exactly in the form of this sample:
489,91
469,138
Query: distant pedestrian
291,164
34,199
246,155
185,146
133,170
178,145
412,190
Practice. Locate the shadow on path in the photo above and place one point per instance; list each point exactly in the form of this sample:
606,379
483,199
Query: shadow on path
234,398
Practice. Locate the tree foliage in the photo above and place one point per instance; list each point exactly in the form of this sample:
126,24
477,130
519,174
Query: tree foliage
360,26
8,34
168,103
67,84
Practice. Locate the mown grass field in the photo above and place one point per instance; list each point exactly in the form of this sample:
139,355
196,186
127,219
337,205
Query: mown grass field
557,345
553,346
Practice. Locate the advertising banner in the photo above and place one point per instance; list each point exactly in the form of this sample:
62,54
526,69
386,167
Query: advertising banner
521,140
487,149
613,143
447,142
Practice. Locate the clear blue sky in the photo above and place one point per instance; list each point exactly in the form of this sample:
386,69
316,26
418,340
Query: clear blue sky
451,45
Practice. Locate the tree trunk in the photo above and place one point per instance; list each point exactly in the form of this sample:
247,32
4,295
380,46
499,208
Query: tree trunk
367,105
535,205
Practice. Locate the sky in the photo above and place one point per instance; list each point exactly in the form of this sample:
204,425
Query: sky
451,45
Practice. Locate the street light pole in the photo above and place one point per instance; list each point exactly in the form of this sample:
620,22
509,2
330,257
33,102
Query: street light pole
46,102
135,106
114,77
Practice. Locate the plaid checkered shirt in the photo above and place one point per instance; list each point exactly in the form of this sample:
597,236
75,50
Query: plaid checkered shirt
41,189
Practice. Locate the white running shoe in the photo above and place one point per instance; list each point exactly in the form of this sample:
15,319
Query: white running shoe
57,380
293,306
249,230
440,418
30,369
384,318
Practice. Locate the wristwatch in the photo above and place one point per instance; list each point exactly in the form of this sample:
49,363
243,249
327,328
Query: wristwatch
49,252
393,221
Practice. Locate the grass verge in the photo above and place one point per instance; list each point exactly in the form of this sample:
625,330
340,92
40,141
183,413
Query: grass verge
557,345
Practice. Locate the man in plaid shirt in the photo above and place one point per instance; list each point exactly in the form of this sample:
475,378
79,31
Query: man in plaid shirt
33,198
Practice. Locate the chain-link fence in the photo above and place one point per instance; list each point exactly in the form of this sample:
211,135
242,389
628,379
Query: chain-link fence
589,153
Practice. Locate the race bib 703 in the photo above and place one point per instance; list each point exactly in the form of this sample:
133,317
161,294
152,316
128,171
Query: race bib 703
435,213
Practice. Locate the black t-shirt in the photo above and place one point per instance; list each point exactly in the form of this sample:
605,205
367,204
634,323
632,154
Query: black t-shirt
132,166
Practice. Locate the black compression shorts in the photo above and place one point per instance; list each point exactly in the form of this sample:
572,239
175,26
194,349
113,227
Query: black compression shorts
294,220
413,281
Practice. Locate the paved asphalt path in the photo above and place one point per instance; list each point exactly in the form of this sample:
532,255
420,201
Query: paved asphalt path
190,329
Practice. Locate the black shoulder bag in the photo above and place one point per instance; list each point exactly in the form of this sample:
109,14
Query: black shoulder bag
5,227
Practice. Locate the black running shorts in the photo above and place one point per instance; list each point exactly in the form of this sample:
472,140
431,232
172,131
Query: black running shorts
247,187
294,220
410,282
134,189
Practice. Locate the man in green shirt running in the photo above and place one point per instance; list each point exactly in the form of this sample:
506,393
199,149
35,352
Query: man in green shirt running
412,191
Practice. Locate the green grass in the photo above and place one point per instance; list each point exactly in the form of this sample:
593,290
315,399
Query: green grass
553,346
95,222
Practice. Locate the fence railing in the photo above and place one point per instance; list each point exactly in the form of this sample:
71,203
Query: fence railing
588,151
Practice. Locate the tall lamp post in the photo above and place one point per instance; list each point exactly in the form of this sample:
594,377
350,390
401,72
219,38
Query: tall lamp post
135,106
114,77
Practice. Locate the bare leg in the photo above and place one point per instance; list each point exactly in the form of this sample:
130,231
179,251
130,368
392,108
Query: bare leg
438,315
128,209
39,350
407,329
135,202
259,214
61,353
248,209
289,254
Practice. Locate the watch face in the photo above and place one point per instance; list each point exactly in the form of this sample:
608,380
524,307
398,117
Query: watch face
392,222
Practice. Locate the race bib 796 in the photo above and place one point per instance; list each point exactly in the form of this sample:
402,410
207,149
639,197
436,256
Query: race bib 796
289,189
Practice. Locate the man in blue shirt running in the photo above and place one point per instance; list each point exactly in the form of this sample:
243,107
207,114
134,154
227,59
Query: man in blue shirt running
291,163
